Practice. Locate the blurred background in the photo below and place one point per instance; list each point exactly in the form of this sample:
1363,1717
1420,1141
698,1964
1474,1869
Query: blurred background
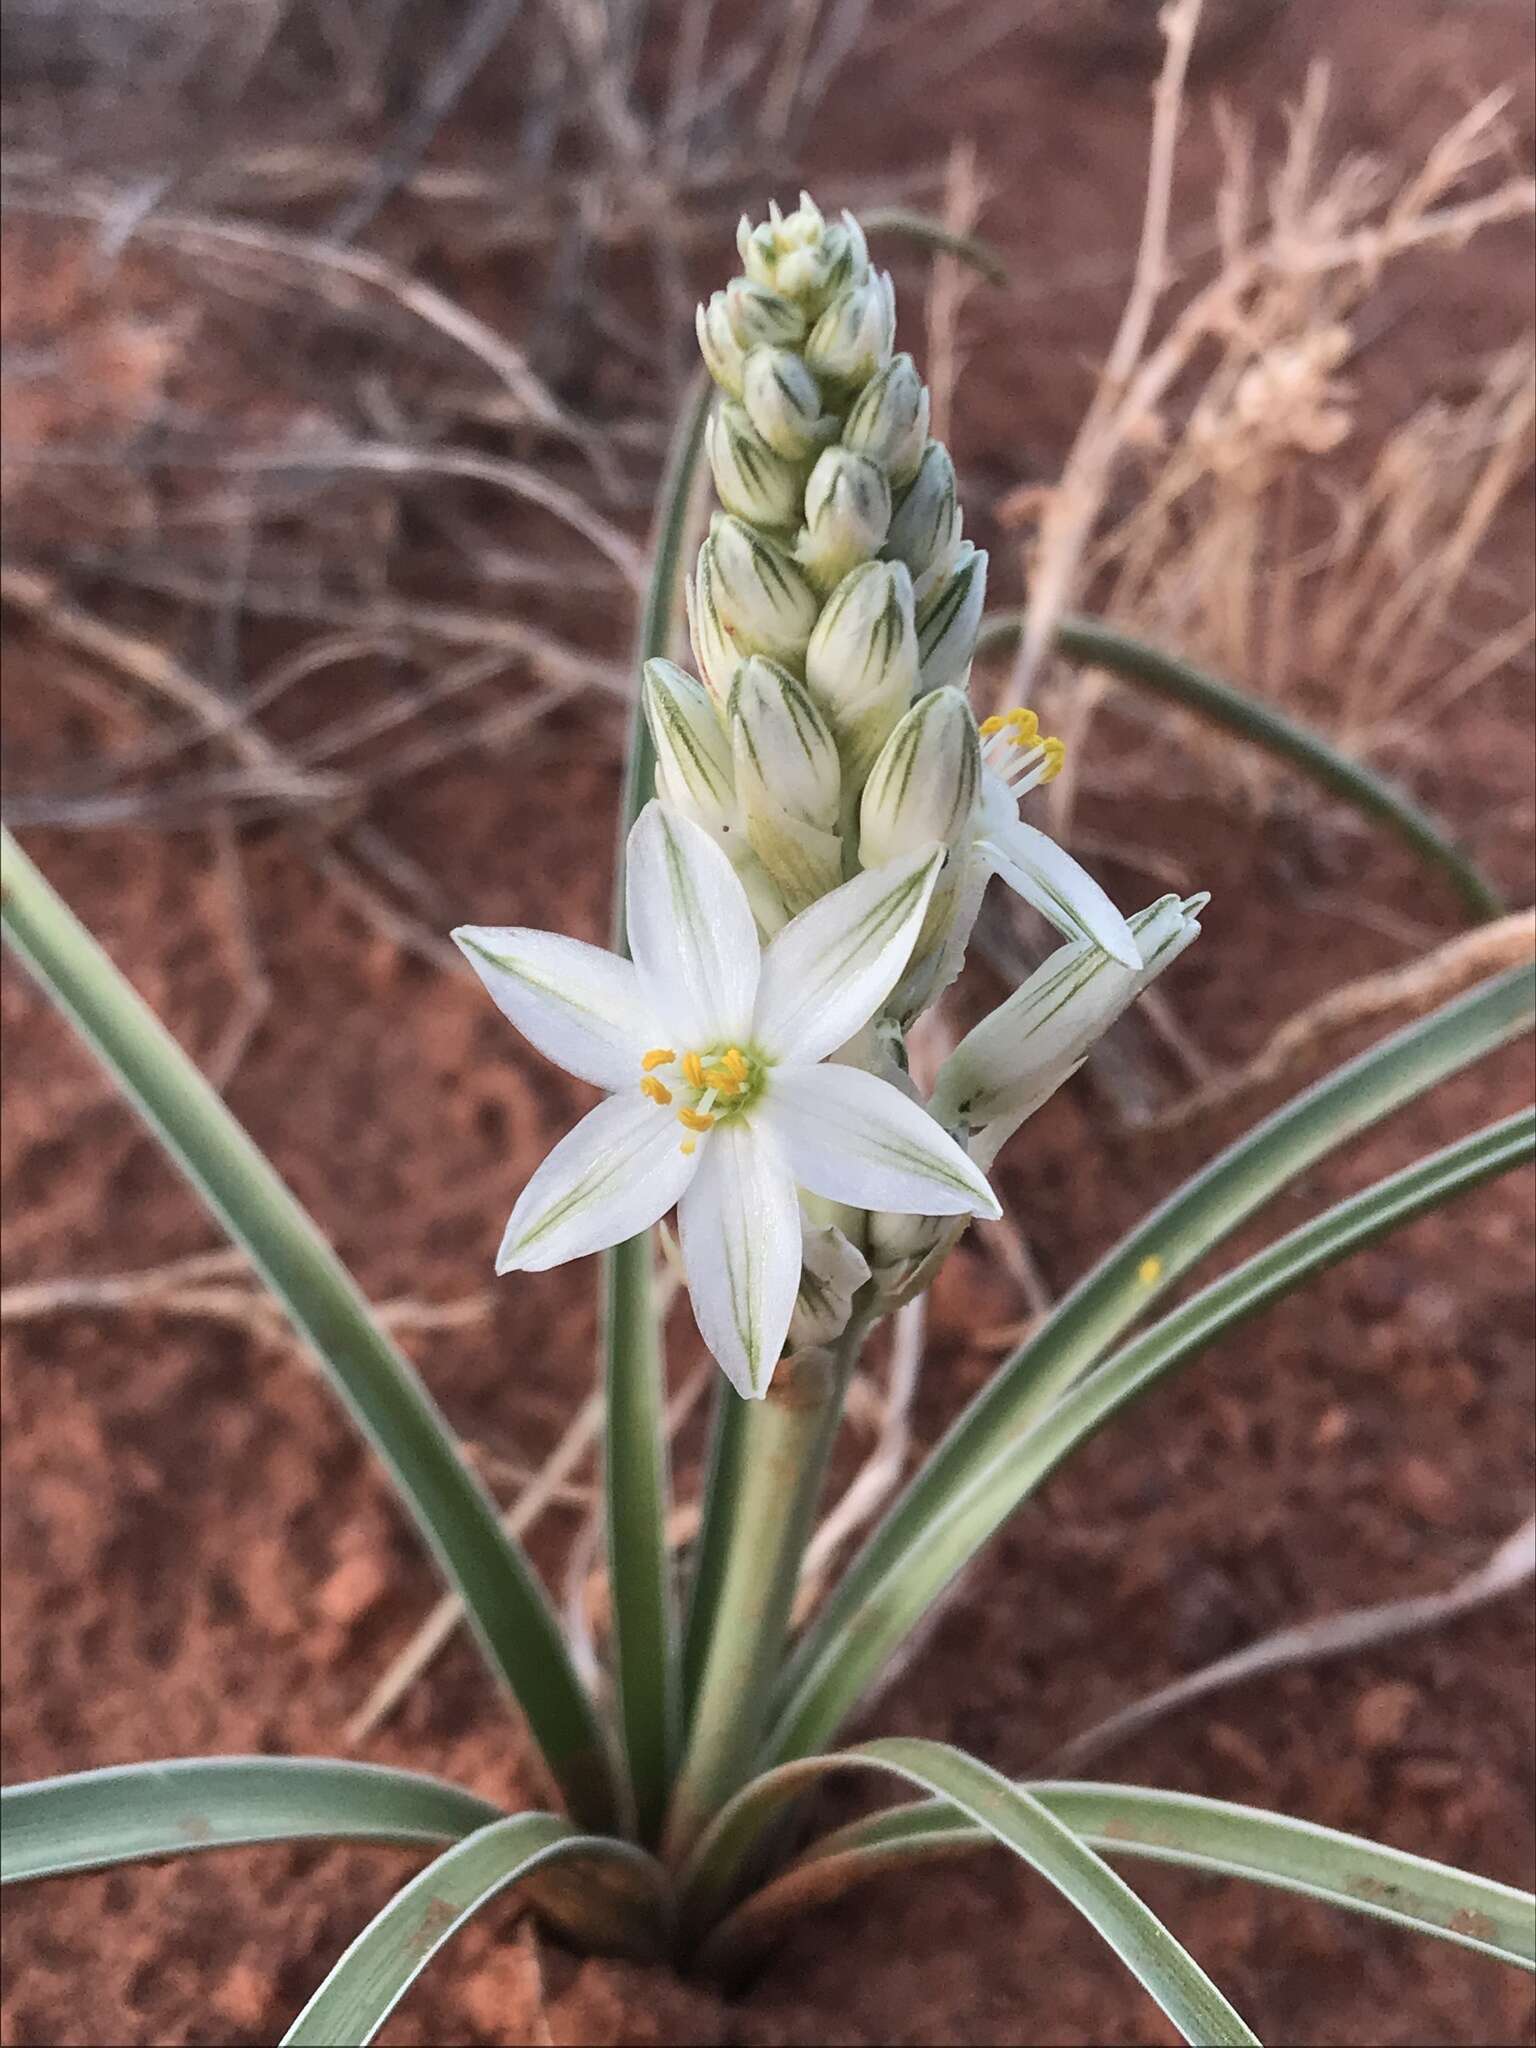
342,342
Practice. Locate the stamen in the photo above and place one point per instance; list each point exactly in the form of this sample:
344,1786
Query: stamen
656,1090
693,1070
1055,755
688,1147
738,1063
991,726
659,1056
695,1119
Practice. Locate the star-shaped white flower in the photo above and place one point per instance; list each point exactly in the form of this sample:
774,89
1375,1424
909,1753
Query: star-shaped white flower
712,1048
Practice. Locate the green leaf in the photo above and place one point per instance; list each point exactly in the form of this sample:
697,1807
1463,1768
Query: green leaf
1220,704
1107,1300
635,1444
368,1982
1209,1835
130,1811
932,234
897,1600
512,1618
1012,1815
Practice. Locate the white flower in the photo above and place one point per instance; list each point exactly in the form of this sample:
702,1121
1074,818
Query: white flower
712,1047
1015,759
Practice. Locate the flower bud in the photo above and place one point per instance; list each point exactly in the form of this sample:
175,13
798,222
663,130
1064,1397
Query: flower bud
847,512
750,480
925,529
1013,1060
861,663
713,648
831,1274
764,598
784,403
855,335
905,1253
724,356
949,621
800,255
789,781
761,318
693,754
922,790
889,421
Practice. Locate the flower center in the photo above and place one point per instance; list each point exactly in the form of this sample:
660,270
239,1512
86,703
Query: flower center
703,1088
1014,749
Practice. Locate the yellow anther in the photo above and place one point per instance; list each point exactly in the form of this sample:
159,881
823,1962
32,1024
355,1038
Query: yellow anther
992,725
693,1070
1024,726
1150,1271
656,1090
688,1147
694,1119
1055,755
661,1056
737,1063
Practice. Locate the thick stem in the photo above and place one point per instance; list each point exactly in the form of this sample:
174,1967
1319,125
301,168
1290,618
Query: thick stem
782,1446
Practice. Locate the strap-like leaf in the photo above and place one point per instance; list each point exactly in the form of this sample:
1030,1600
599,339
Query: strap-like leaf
635,1448
1192,1222
1262,725
514,1621
898,1599
1012,1815
130,1811
371,1978
1209,1835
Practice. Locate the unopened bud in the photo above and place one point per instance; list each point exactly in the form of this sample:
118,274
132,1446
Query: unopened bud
1014,1059
847,513
925,529
713,648
761,318
724,356
923,788
854,337
750,479
800,255
831,1274
948,623
765,600
861,663
783,403
693,754
889,421
788,779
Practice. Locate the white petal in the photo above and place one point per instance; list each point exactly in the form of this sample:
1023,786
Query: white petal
854,1138
691,930
831,967
739,1225
580,1006
1050,879
610,1178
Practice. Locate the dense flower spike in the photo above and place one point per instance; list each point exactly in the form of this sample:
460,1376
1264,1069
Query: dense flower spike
827,801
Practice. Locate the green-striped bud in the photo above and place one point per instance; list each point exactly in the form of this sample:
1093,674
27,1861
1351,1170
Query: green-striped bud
724,356
750,479
1013,1060
788,780
801,255
761,318
861,663
765,600
713,648
925,528
949,622
847,514
693,754
783,402
923,789
854,337
832,1272
889,421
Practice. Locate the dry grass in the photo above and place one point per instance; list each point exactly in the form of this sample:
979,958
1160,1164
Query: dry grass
1223,496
